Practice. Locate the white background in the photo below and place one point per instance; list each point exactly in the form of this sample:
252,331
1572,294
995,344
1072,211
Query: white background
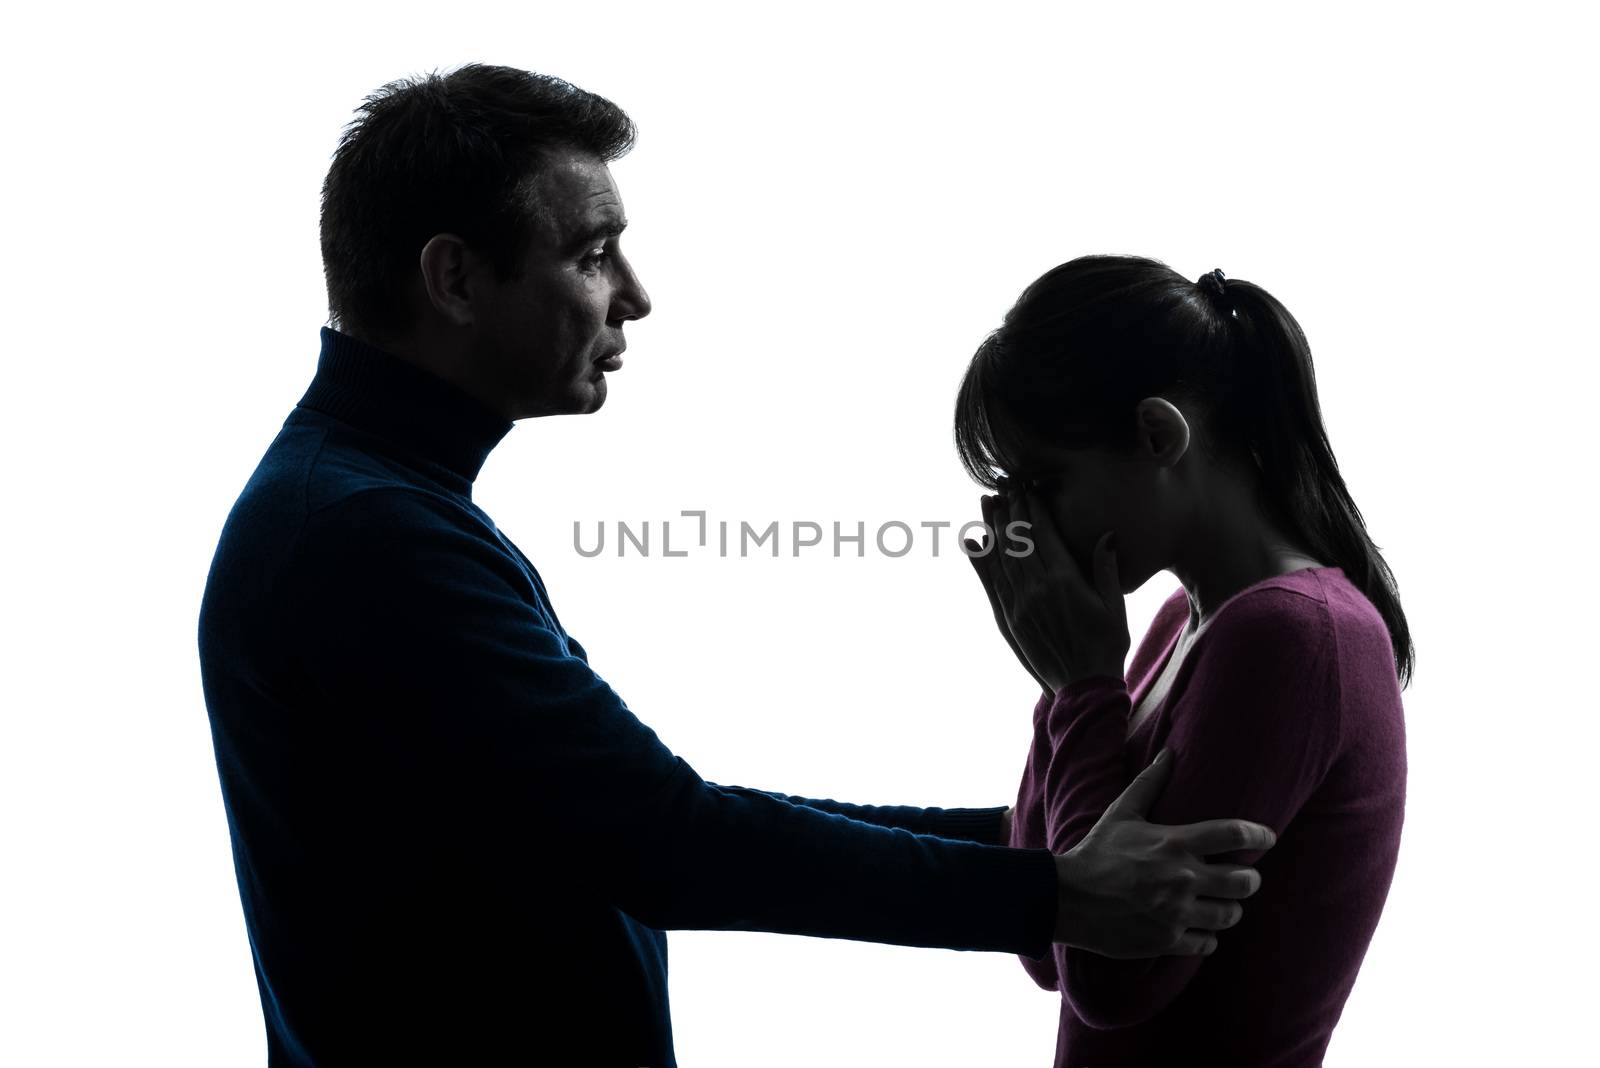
829,207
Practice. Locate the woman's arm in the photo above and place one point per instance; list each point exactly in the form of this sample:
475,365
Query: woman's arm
1254,731
1028,830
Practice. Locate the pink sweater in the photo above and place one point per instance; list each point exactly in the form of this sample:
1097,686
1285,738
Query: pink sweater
1286,710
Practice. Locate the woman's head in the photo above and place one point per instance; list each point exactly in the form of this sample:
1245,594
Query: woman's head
1140,399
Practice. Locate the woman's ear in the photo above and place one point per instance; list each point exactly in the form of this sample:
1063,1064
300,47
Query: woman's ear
1161,431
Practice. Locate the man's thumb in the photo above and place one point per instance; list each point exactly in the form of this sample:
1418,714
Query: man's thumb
1145,788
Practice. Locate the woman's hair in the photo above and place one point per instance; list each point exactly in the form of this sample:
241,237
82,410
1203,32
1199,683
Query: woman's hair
1091,338
454,153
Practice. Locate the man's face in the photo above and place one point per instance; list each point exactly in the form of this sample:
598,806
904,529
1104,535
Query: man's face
548,338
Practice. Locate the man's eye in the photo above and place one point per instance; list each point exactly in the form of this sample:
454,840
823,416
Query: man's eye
595,257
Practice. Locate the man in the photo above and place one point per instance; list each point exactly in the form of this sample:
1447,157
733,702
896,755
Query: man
455,844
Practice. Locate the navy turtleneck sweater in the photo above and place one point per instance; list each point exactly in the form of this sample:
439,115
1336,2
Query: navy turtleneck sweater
454,842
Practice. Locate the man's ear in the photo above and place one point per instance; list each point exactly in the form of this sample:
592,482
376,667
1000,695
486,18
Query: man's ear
446,266
1161,431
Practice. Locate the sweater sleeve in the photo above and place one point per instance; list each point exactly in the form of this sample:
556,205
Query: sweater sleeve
1028,829
1254,731
963,824
434,640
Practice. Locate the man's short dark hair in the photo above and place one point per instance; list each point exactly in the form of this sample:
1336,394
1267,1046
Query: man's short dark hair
454,153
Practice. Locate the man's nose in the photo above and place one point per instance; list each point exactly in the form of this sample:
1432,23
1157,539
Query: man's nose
630,300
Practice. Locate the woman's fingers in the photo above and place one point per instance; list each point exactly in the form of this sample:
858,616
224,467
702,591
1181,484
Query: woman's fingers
985,564
1107,576
1050,566
1016,569
1051,544
981,553
1016,508
980,564
996,513
1002,623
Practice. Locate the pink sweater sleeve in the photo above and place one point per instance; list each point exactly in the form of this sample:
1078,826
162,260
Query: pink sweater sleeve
1253,732
1028,829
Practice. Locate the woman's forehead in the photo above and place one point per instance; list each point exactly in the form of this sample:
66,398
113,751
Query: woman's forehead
1023,454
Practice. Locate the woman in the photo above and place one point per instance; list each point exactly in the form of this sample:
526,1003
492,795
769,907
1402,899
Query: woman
1120,399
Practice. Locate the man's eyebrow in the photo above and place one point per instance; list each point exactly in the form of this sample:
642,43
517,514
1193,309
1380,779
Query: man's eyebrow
608,227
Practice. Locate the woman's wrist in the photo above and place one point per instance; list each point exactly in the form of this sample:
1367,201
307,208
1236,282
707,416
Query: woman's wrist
1113,675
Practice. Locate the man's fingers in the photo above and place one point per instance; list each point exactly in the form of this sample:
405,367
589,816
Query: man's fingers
1194,944
1140,794
1211,914
1227,880
1221,836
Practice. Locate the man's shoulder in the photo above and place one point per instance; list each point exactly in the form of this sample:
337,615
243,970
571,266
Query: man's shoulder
314,489
386,518
341,469
336,476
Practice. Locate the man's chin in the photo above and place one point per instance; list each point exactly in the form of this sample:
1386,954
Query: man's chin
581,399
597,394
586,397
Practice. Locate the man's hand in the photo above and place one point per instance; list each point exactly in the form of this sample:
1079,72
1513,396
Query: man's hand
1137,889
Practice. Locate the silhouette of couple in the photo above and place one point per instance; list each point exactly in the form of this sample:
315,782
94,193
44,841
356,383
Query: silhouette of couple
456,844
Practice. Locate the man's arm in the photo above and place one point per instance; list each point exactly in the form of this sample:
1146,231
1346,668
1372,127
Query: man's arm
986,825
432,640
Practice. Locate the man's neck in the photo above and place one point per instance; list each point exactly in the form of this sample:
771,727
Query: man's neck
441,356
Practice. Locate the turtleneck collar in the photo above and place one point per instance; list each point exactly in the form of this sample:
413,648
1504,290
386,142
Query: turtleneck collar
377,391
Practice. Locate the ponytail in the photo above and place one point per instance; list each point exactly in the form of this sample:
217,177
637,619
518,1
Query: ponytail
1273,399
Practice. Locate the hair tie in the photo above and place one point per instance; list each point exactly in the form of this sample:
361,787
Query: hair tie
1213,284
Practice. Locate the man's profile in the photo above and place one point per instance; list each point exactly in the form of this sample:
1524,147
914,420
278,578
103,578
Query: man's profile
454,842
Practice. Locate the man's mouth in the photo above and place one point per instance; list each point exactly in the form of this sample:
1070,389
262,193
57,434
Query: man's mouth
610,363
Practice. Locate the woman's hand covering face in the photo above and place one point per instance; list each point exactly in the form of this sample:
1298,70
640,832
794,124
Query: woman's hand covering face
1062,624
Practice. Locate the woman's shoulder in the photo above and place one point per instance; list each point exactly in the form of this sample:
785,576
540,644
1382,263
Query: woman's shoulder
1313,608
1306,609
1318,593
1302,595
1283,612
